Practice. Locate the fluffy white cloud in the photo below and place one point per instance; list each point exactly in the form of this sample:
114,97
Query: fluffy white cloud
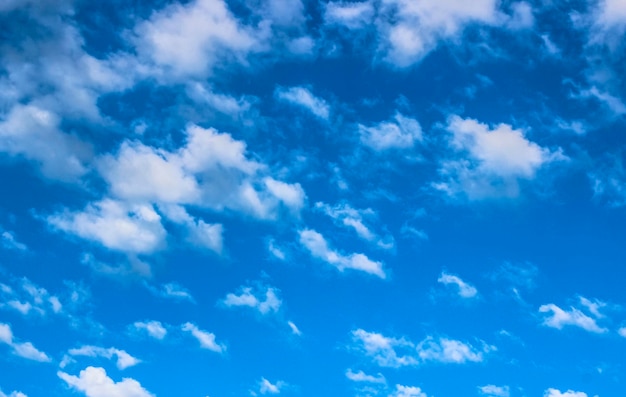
382,349
192,39
123,359
361,376
448,351
570,393
559,318
294,328
13,394
464,289
267,387
353,15
393,352
491,161
206,339
132,228
34,133
400,133
94,382
264,299
154,328
316,244
407,391
304,98
28,298
22,349
355,219
494,391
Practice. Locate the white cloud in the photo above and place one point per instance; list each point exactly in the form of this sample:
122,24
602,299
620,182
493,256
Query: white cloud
570,393
464,289
622,331
199,233
407,391
194,38
316,244
491,161
206,339
264,299
171,291
495,391
400,133
361,376
22,349
294,328
8,241
285,12
267,387
154,328
304,98
354,219
447,351
34,133
353,15
382,349
94,382
559,318
123,359
275,250
28,298
116,225
13,393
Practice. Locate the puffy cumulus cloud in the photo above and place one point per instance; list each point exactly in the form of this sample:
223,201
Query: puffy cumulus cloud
206,339
556,317
267,387
13,394
305,99
361,376
557,393
264,299
116,225
448,351
154,329
464,289
355,219
33,132
94,382
352,15
384,350
211,170
28,298
392,352
490,162
407,391
407,31
318,247
192,39
22,349
400,133
494,391
123,359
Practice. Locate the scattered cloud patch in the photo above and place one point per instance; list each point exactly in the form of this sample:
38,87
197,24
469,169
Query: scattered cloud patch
303,97
94,382
463,289
154,329
556,317
361,376
22,349
400,133
123,359
267,387
557,393
264,299
318,247
206,339
445,350
494,391
294,328
407,391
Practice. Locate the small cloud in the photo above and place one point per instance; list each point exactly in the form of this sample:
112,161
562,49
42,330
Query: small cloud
171,291
294,329
494,391
558,318
464,289
206,339
361,376
263,299
154,329
93,381
267,387
407,391
304,98
124,360
22,349
570,393
400,133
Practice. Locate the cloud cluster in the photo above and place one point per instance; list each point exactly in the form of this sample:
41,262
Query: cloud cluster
22,349
94,382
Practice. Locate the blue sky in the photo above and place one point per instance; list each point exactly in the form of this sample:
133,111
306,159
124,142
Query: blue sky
391,198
